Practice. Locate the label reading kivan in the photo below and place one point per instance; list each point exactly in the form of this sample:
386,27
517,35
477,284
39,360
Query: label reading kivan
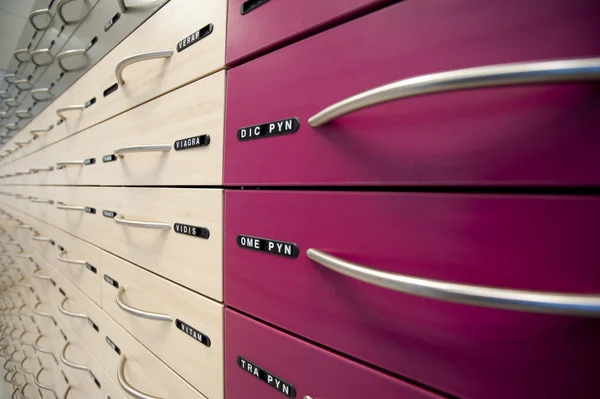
192,332
282,248
192,142
271,129
194,37
262,374
194,231
90,210
109,214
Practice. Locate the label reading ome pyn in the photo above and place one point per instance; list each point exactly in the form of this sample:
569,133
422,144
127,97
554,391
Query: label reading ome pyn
271,129
266,245
262,374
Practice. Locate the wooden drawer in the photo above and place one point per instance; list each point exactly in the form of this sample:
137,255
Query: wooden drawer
251,30
110,389
185,330
297,368
198,258
142,371
518,243
508,136
188,121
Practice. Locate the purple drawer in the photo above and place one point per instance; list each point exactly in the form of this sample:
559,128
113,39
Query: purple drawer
264,363
524,135
535,243
256,26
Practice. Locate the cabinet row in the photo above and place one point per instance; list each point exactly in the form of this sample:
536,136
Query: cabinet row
293,118
444,289
69,37
48,322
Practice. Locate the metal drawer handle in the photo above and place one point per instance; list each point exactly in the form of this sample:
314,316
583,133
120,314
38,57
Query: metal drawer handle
61,257
11,102
3,115
23,285
60,205
37,53
70,53
22,143
40,238
59,12
41,201
145,225
24,256
22,366
36,132
7,378
67,391
61,309
41,91
10,78
523,301
22,391
11,126
42,350
69,363
138,312
23,333
35,170
62,165
4,94
60,111
130,390
39,12
34,274
22,226
28,85
41,314
39,384
22,51
150,55
142,148
521,73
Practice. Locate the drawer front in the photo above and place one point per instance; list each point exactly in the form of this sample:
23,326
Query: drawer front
142,371
110,389
289,366
512,242
179,211
438,139
191,342
294,20
188,122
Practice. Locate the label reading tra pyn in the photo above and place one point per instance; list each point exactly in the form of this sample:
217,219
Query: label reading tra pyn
266,245
262,374
271,129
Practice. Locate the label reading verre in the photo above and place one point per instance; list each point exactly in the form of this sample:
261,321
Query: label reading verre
192,332
262,374
277,128
266,245
194,37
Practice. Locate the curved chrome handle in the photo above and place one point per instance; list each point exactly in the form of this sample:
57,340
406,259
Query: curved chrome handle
11,126
44,90
145,225
40,238
20,339
16,53
11,78
42,350
20,284
21,144
22,367
39,12
7,378
4,94
19,83
60,111
138,312
500,298
130,390
66,312
70,53
37,53
64,164
60,205
150,55
62,258
521,73
22,391
23,226
69,363
3,114
39,384
142,148
67,392
59,6
11,102
41,201
39,276
35,170
24,256
37,312
35,132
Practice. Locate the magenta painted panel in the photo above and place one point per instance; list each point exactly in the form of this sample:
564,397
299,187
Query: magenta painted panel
277,22
544,135
543,243
306,368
